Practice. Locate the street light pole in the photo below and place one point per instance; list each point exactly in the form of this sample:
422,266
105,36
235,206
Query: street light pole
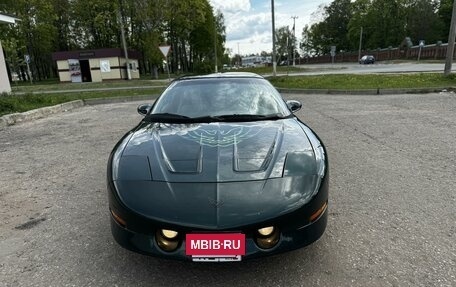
450,47
274,61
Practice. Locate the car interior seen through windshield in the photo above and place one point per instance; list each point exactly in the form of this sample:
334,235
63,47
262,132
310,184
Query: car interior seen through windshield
221,97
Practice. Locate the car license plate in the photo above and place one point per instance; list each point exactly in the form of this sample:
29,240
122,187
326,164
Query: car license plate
215,247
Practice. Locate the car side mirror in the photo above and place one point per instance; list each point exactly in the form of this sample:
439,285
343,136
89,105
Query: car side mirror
144,109
294,106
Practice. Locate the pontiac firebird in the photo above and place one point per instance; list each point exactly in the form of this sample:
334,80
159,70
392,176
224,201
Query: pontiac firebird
219,169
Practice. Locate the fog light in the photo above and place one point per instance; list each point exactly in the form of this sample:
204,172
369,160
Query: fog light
267,237
266,231
164,240
169,234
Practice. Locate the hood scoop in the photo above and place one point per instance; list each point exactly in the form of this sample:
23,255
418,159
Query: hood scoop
217,152
179,162
257,160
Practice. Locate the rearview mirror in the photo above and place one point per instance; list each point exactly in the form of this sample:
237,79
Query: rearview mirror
144,109
294,106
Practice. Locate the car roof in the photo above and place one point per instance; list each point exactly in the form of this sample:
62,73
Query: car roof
222,75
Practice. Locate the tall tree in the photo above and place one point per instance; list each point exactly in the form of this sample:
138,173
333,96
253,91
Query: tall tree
444,11
62,10
423,22
35,34
332,30
95,24
193,29
284,40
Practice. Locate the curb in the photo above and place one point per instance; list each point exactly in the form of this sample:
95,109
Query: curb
15,118
12,119
113,100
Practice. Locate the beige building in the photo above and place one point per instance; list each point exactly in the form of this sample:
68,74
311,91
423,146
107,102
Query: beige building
95,65
5,86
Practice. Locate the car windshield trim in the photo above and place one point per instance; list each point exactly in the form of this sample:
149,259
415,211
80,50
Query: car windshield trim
175,118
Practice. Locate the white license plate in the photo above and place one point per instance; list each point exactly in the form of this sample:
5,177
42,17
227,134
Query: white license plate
216,258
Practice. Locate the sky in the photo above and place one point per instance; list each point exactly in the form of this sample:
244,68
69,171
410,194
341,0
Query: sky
248,22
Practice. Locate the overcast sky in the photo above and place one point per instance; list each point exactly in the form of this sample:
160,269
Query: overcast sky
248,22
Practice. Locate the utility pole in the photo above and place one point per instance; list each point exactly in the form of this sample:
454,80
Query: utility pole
215,45
239,56
274,61
360,43
450,47
124,42
294,37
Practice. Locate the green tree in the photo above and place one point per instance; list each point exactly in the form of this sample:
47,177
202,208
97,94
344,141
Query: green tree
386,23
284,40
36,32
332,30
147,33
193,29
444,11
423,22
95,24
63,40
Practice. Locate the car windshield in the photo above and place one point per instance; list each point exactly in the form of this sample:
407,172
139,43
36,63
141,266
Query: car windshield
220,99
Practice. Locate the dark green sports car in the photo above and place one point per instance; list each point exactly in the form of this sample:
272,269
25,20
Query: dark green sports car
219,169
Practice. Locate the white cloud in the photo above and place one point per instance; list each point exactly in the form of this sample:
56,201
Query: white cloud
231,6
248,26
242,27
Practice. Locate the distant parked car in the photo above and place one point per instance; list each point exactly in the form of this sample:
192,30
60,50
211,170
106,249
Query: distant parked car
367,59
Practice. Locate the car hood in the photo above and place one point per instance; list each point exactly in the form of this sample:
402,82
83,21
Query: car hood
225,205
211,152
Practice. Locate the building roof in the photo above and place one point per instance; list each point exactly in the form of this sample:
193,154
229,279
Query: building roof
94,54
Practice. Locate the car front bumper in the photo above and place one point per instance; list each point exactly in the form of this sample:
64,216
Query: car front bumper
289,240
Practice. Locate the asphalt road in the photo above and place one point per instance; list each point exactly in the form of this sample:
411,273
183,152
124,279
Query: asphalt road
392,218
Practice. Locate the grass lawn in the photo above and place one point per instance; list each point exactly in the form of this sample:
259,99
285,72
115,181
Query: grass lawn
267,70
21,103
368,81
57,86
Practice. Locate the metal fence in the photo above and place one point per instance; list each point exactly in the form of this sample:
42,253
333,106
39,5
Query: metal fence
433,51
